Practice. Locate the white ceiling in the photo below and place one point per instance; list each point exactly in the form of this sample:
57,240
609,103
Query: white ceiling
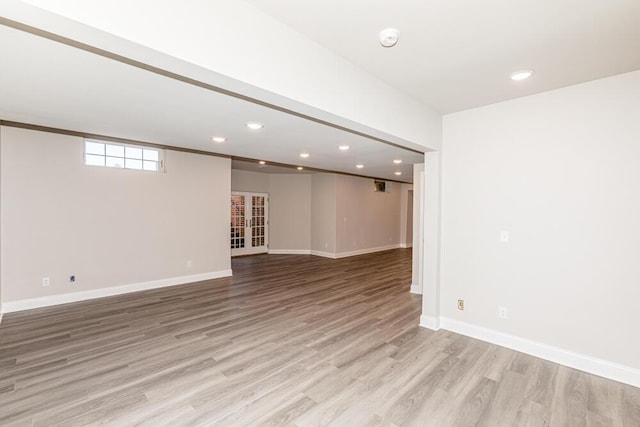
455,55
452,55
50,84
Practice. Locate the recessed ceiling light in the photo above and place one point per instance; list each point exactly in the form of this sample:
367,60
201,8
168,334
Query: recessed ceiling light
343,147
398,173
304,155
219,139
299,168
521,75
262,162
397,161
359,166
254,125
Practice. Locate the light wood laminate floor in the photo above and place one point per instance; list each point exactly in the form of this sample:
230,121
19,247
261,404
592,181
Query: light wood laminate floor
289,340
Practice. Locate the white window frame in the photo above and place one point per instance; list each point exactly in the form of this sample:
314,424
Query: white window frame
133,157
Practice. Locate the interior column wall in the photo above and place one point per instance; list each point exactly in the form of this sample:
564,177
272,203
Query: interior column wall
323,214
418,229
406,203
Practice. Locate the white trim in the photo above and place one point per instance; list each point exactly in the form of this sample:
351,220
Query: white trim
289,252
28,304
406,245
429,322
431,227
592,365
415,289
354,253
367,251
1,312
323,254
418,226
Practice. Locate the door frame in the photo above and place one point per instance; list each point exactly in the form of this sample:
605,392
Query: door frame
248,248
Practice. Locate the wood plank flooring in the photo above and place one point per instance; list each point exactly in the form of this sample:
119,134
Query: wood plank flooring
289,340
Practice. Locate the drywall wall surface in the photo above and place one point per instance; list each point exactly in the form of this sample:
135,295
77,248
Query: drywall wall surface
558,172
290,212
247,181
366,219
323,213
409,230
418,236
1,203
305,76
108,227
406,203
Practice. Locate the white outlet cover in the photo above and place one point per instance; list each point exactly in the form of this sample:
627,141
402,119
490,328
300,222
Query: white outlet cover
45,281
504,236
502,312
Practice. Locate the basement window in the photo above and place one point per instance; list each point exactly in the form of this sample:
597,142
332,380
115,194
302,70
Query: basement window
114,155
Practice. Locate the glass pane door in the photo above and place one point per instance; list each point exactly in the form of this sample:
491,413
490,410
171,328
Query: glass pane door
257,221
237,221
249,223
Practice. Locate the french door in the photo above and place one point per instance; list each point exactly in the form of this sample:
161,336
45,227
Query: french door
249,223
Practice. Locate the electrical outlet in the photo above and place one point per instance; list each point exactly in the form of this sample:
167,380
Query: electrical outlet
502,312
505,236
189,264
460,304
45,281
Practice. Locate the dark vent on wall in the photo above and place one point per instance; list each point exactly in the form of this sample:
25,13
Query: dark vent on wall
380,186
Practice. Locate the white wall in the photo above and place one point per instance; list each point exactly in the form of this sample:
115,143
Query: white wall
323,213
406,215
327,214
248,181
289,206
109,227
559,171
409,213
290,212
1,204
418,235
366,219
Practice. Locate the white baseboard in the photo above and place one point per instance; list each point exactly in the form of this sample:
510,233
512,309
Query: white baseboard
28,304
289,252
1,312
430,322
354,253
406,245
582,362
324,254
415,289
366,251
